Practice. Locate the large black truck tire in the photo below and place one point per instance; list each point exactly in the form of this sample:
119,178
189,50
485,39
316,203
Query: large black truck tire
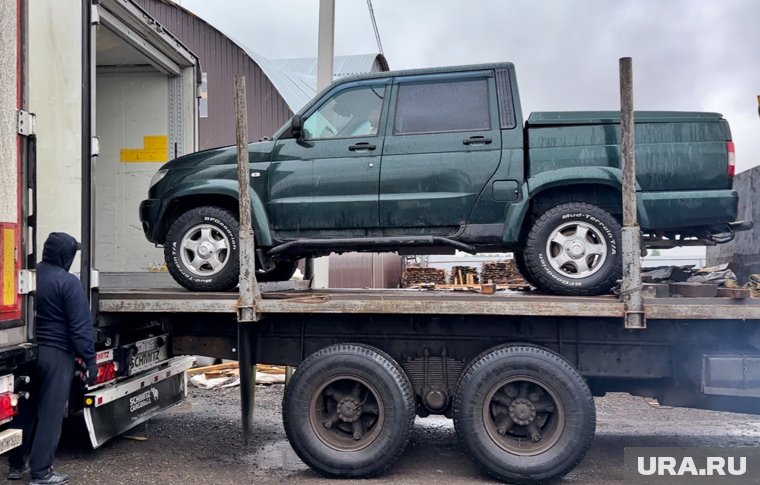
524,414
348,411
574,249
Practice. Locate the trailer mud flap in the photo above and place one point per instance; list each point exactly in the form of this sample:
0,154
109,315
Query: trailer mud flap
113,410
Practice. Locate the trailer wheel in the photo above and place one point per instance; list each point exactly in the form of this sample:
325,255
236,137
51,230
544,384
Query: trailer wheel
524,413
201,249
348,411
573,249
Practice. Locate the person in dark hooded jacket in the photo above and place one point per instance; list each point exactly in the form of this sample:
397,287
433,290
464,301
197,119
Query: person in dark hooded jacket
63,327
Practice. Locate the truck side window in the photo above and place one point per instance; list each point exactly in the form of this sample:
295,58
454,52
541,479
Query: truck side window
349,113
442,106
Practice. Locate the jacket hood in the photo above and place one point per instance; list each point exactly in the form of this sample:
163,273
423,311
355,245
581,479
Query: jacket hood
60,249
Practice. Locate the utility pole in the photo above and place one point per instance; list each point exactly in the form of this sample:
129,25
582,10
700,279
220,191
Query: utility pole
326,43
630,289
318,269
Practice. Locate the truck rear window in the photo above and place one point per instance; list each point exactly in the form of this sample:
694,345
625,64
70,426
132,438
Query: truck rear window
442,106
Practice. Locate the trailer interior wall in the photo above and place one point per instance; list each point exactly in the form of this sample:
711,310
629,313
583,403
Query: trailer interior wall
55,96
144,118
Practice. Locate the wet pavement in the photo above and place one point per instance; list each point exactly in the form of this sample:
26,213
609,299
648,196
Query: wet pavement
199,442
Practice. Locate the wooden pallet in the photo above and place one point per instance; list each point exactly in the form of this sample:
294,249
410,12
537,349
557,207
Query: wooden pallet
471,287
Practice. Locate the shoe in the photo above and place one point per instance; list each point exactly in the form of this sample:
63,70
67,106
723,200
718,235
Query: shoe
52,478
17,473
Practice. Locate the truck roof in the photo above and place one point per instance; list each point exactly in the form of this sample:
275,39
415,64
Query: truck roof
426,70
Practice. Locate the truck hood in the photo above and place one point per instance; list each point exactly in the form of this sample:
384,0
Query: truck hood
554,118
257,152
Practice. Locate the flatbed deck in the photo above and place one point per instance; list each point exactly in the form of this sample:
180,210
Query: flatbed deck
410,301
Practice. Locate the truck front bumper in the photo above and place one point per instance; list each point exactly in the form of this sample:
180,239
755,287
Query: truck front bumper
150,211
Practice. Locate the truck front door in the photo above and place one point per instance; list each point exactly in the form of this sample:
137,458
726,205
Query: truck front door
442,148
328,180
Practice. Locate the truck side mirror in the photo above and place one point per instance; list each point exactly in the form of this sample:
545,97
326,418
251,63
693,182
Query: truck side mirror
296,127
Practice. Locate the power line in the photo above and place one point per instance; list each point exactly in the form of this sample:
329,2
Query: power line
374,26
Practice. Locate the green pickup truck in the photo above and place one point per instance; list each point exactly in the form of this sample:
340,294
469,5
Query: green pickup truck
435,160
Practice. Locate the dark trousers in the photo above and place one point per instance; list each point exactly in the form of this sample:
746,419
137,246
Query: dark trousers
40,417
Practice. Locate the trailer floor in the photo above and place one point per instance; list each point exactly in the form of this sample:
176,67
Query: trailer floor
292,298
198,442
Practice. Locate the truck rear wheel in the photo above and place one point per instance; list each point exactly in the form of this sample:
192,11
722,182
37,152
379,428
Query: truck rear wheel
282,271
201,249
573,249
348,411
522,268
524,414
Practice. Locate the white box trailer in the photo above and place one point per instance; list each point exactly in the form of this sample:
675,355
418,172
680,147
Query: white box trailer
94,97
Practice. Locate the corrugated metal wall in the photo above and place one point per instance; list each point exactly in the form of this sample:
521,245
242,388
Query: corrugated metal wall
365,270
221,59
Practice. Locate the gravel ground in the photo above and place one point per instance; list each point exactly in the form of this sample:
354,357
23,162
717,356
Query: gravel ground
198,442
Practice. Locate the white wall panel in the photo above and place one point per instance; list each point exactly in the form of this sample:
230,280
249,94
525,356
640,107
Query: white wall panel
130,107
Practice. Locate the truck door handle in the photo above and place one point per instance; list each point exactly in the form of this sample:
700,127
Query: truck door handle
476,140
361,146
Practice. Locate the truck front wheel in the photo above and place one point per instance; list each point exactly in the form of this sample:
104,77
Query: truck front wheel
348,411
201,249
524,413
574,249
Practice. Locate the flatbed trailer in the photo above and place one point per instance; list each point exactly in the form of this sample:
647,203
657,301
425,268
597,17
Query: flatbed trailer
443,347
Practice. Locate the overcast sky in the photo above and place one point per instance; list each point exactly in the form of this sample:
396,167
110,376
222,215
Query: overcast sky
699,55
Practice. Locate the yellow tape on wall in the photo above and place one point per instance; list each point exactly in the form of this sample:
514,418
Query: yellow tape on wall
155,149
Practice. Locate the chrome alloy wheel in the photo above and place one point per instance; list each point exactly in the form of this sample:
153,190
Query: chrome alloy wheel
204,250
576,249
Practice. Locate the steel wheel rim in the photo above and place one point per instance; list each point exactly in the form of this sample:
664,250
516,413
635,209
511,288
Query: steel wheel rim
204,250
576,249
343,408
516,409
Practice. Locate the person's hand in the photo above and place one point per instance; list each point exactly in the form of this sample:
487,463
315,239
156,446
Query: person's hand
92,374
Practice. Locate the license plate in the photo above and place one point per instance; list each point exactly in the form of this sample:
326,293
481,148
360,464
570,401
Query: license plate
9,439
148,355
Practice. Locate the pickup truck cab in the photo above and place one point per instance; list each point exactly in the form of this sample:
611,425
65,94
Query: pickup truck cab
435,160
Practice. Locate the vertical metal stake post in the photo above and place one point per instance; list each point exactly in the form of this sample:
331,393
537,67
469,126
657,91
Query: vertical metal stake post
249,287
630,290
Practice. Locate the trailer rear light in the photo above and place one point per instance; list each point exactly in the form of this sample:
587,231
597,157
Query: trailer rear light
8,406
107,372
731,159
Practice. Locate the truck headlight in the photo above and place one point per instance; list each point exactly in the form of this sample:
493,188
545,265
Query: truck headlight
158,176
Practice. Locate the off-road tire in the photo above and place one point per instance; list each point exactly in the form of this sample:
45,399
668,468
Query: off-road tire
522,268
518,361
226,222
548,279
395,393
